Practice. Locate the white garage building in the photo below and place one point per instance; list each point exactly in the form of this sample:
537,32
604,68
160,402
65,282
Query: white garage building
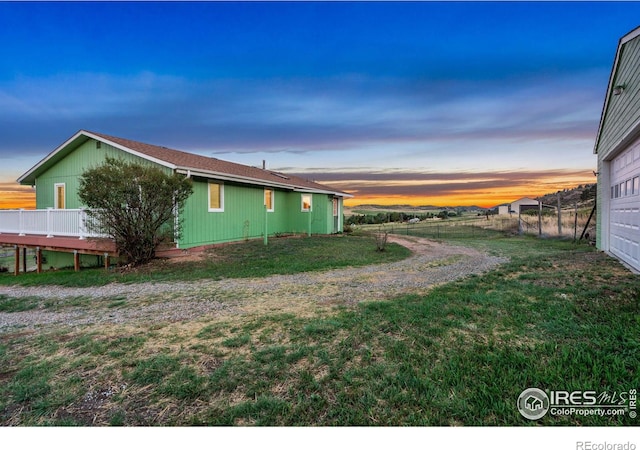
618,148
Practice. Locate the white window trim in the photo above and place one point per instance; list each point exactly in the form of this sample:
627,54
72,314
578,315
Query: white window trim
221,209
273,199
302,196
55,195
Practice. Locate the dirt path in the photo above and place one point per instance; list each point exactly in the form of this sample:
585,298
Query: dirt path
303,294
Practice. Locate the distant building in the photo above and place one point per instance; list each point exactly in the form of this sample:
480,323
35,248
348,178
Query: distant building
618,148
518,206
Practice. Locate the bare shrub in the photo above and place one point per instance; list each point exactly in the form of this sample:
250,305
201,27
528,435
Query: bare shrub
381,240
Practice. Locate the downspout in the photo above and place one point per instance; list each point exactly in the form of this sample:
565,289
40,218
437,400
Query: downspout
176,215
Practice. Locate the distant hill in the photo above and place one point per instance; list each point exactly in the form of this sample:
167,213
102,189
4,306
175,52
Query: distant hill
414,209
584,195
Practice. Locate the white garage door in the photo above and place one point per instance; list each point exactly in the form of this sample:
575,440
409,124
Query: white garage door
624,225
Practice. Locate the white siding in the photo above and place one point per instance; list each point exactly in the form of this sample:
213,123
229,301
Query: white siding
624,196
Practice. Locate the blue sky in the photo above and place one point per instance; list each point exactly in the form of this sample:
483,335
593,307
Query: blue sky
421,102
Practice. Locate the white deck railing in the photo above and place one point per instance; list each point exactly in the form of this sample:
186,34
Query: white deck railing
48,222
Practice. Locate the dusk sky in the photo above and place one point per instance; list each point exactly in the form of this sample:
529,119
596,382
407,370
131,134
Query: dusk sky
438,103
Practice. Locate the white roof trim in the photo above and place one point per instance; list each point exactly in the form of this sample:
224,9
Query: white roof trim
97,138
49,156
320,191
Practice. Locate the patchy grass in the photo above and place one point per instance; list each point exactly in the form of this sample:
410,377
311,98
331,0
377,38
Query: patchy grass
557,317
239,260
10,304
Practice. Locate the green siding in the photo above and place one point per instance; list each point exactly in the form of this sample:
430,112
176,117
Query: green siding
623,110
69,169
244,215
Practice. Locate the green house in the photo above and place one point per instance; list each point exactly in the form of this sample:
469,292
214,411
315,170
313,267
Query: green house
230,202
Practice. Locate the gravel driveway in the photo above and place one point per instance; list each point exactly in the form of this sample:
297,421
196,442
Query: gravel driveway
432,263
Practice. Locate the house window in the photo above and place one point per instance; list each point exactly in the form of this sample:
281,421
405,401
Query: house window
636,185
216,197
335,207
269,199
306,202
59,196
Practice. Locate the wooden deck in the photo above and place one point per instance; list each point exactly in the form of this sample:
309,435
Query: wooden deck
90,246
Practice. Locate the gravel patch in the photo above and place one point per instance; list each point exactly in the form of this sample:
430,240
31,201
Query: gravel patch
432,263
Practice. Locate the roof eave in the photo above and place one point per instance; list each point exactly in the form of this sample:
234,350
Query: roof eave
322,191
29,177
614,70
255,181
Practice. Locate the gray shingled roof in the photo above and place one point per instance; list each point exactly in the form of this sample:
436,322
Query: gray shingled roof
189,162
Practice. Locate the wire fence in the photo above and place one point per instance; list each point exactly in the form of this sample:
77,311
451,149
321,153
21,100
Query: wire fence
571,226
8,259
452,229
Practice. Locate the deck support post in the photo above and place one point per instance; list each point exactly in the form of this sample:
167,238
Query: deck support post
76,261
106,261
24,259
38,260
17,260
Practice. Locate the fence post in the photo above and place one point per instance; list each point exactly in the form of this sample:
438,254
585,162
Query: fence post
559,217
539,217
575,222
520,230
